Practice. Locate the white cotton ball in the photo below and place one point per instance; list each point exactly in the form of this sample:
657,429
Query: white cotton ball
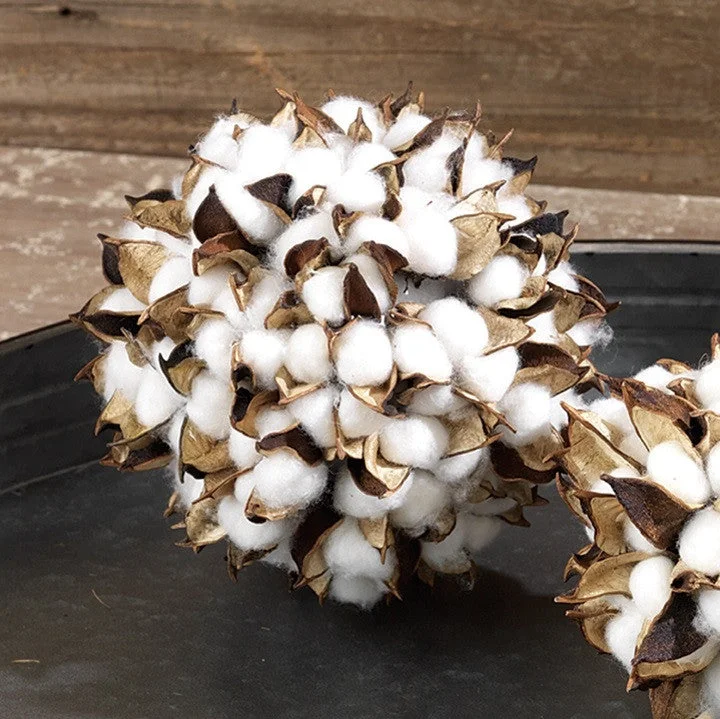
122,300
210,404
650,585
156,400
283,480
707,384
404,129
264,352
262,152
312,166
622,632
213,344
344,109
119,373
478,531
363,354
242,451
432,240
502,279
700,542
712,468
368,155
670,466
489,377
544,328
709,606
614,412
460,466
414,441
515,205
368,228
188,489
436,400
281,557
323,294
314,412
479,171
655,376
558,415
461,329
636,540
370,272
427,168
349,554
271,419
360,591
203,290
424,499
527,407
564,276
253,216
357,191
307,357
417,351
449,555
218,144
174,273
246,534
591,333
263,298
357,419
711,687
312,227
349,499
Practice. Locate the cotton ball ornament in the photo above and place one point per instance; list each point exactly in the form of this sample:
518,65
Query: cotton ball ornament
307,356
671,467
461,329
363,354
414,441
502,279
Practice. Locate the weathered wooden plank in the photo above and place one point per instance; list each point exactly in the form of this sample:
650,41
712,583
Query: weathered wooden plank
611,94
54,202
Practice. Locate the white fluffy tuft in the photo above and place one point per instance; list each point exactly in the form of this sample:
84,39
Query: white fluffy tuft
699,543
670,466
502,279
414,441
363,354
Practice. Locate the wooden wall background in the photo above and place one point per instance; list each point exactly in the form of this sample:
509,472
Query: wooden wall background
622,94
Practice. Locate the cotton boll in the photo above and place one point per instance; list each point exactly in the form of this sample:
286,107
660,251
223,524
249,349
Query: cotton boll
650,585
357,419
564,276
204,290
254,217
368,155
357,191
119,373
264,352
622,632
209,405
370,272
707,384
307,357
156,400
122,300
323,295
349,499
425,498
174,273
712,468
700,542
414,441
312,227
427,168
544,328
376,229
417,350
502,279
480,170
655,376
273,419
314,412
188,490
344,109
670,466
404,129
349,554
489,377
432,241
362,592
218,144
461,329
515,205
591,333
284,480
436,400
209,176
636,540
458,467
312,166
242,450
363,354
614,412
478,531
709,606
262,152
249,535
262,300
527,408
449,555
213,345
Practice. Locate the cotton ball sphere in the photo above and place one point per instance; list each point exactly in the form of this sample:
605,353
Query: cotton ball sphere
282,480
368,228
364,593
323,295
650,585
670,466
459,467
427,168
245,534
707,384
414,441
349,499
357,191
363,354
461,329
344,110
406,127
209,405
527,408
502,279
310,167
262,152
119,373
432,241
264,352
368,155
213,345
425,498
156,400
188,489
699,544
436,400
357,419
349,554
489,377
307,356
417,351
204,290
622,632
255,218
270,420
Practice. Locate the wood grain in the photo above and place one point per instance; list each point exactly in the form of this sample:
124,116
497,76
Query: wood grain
622,94
54,202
